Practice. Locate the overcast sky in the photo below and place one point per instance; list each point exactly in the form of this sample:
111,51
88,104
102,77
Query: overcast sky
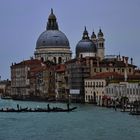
22,21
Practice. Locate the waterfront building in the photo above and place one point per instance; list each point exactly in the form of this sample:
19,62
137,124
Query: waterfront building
53,44
94,90
20,82
33,78
42,83
129,90
77,70
112,86
60,83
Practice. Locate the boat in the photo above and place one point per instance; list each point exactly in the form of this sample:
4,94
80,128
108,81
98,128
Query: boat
55,109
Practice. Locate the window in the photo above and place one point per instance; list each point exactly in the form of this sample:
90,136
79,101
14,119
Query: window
54,59
102,84
130,91
97,84
133,91
59,60
102,44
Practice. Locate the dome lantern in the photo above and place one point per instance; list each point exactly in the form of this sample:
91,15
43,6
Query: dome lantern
85,34
52,23
52,36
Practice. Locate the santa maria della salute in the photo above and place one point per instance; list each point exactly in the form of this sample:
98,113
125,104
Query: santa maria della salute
91,76
53,45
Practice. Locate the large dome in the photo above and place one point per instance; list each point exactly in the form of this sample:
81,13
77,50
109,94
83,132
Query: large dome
52,38
52,44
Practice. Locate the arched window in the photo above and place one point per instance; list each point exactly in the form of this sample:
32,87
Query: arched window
59,60
54,59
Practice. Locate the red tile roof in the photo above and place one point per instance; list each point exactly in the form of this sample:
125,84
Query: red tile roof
60,68
104,75
30,62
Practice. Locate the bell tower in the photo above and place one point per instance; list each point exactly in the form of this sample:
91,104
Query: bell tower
100,45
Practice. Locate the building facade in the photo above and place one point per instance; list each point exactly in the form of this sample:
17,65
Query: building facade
94,90
77,71
130,90
33,79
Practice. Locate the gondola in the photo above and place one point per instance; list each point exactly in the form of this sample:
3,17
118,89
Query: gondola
37,110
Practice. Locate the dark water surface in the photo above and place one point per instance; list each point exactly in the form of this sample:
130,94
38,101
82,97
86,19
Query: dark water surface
86,123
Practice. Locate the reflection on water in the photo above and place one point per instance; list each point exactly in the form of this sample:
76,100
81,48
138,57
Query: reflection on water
86,123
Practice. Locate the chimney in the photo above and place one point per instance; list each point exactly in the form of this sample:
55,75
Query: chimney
126,61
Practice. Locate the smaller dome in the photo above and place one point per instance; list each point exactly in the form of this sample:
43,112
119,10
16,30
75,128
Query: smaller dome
85,45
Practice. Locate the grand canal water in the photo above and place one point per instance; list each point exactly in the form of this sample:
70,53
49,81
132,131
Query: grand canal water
86,123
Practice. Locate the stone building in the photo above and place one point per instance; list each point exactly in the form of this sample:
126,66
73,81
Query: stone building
60,83
129,90
94,90
20,82
77,70
33,79
42,83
